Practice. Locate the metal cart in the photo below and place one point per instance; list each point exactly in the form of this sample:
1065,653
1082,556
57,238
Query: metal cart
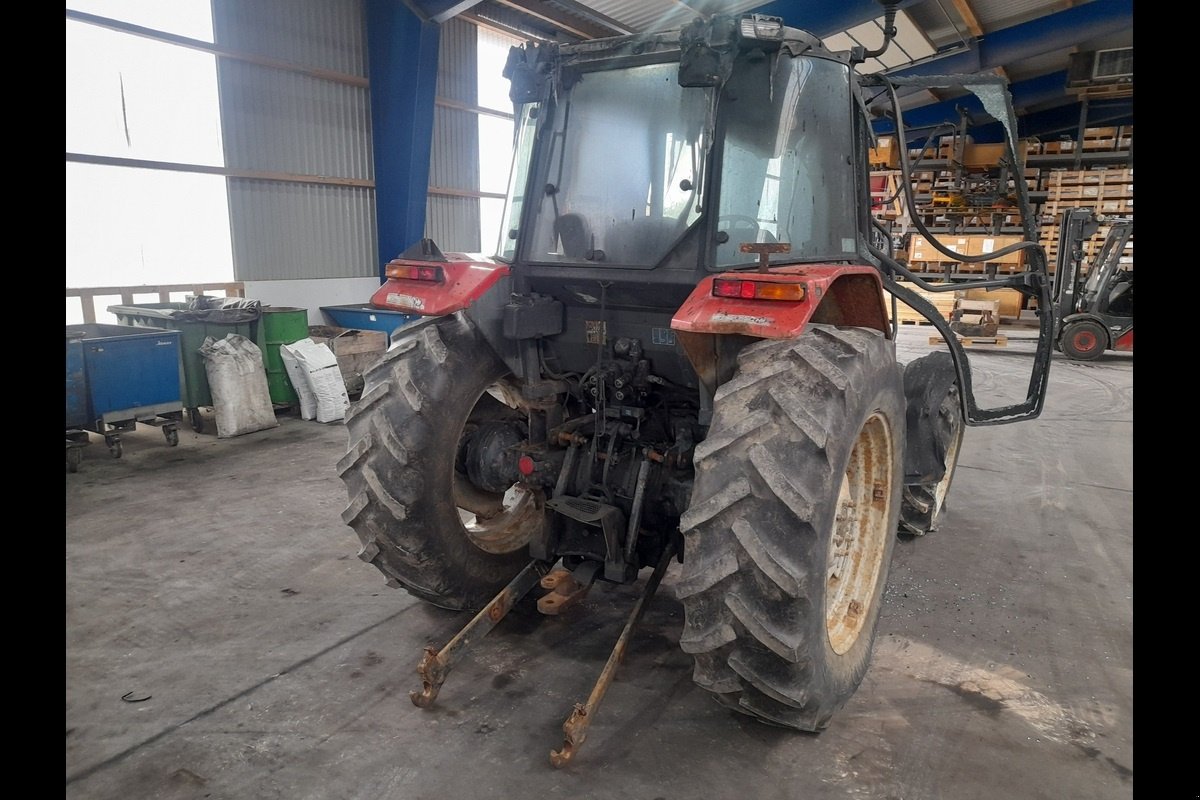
118,376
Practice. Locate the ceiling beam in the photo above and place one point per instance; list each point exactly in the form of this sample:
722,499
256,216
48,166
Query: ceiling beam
442,11
591,14
527,32
824,18
545,13
1033,38
963,7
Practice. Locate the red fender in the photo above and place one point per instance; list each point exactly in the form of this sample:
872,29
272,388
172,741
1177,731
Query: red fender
1124,341
463,281
836,294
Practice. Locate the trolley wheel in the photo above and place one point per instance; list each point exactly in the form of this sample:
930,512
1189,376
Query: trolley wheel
171,435
74,456
196,419
114,446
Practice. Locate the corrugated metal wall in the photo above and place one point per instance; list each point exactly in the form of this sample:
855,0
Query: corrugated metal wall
275,120
286,122
453,222
316,33
296,230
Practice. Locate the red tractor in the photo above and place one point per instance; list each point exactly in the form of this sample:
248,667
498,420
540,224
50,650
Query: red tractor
681,349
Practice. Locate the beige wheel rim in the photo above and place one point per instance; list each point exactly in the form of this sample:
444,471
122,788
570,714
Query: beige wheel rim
860,534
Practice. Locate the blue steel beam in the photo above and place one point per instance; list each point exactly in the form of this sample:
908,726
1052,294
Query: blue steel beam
402,57
1065,119
1037,37
1024,94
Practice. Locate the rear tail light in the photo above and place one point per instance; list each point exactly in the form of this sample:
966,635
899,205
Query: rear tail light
757,290
416,273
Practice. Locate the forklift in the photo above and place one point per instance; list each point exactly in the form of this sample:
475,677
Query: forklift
1092,307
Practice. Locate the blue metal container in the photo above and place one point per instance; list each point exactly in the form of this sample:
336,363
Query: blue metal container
366,318
132,373
77,390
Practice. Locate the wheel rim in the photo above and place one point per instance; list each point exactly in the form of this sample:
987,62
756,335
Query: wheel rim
1085,341
860,535
495,522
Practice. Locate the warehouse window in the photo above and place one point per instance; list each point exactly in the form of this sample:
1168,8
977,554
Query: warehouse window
495,133
140,113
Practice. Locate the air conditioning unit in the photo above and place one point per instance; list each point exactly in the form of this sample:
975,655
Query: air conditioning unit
1101,71
1113,64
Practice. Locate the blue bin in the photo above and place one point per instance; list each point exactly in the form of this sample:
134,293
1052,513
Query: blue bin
366,318
131,373
77,389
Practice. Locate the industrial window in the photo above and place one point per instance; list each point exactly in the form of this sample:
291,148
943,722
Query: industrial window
133,98
495,133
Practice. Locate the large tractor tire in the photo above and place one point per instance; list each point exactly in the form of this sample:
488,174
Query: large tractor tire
935,422
789,535
418,516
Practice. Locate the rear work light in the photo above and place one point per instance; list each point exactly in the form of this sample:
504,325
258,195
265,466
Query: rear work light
757,290
414,273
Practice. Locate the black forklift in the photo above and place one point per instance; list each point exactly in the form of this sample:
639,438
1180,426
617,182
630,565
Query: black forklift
1092,302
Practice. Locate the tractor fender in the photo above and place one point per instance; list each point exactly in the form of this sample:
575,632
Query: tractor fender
833,294
461,281
712,329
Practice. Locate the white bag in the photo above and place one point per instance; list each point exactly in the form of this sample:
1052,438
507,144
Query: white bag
299,378
241,398
320,369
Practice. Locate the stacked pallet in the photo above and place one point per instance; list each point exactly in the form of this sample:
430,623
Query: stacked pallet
907,315
1108,192
1096,140
923,257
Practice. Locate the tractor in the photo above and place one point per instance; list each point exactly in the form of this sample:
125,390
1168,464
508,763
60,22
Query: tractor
681,349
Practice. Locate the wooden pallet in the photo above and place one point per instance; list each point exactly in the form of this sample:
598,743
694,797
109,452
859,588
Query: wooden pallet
906,314
939,267
971,341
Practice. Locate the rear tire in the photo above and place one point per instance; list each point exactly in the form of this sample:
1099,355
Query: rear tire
923,503
790,531
1084,340
401,476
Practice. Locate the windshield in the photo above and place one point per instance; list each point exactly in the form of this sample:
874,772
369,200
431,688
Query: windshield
784,173
620,180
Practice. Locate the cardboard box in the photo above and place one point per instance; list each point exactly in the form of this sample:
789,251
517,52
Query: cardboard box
356,351
885,154
982,245
921,250
1053,148
982,156
1007,300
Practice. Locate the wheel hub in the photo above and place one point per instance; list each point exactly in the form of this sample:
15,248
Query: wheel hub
491,456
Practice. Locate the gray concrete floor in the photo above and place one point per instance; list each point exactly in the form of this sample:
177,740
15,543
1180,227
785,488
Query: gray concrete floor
216,578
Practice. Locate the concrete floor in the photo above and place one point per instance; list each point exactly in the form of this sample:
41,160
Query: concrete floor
217,580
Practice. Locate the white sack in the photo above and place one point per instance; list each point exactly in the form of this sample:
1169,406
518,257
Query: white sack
241,398
320,367
299,378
